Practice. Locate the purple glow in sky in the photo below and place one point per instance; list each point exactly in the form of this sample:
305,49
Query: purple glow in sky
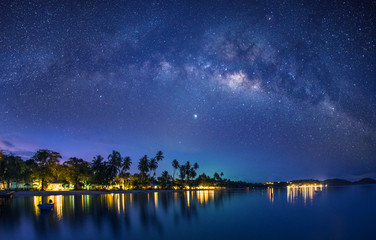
261,90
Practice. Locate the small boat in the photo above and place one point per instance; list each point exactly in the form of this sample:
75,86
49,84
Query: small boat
45,206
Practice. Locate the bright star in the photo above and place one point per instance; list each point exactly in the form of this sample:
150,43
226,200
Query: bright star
195,116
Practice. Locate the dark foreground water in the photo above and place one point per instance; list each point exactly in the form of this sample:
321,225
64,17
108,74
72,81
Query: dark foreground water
334,213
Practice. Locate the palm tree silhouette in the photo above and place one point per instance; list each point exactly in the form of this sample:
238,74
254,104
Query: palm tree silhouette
159,156
114,161
143,166
175,165
153,165
195,166
125,166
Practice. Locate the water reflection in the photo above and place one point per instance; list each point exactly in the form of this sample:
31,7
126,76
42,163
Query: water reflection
205,196
116,213
304,192
218,214
270,193
58,200
188,198
156,199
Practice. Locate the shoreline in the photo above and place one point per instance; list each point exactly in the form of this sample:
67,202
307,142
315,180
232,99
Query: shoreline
97,192
23,193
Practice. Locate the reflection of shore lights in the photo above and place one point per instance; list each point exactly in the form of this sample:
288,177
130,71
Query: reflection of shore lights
123,202
37,200
118,203
58,200
156,199
305,186
188,198
209,187
270,192
306,191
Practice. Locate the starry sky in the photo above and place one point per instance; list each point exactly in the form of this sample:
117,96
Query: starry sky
261,90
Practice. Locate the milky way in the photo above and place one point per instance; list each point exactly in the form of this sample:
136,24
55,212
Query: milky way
261,90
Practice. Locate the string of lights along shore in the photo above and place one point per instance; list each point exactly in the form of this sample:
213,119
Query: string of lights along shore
261,90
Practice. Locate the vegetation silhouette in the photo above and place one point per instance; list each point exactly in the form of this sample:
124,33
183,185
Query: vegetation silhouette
45,168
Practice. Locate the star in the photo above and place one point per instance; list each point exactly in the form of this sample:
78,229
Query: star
259,93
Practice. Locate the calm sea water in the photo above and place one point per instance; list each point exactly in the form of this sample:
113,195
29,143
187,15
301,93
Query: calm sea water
334,213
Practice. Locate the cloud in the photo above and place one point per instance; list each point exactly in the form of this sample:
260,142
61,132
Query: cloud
25,155
9,148
12,143
6,144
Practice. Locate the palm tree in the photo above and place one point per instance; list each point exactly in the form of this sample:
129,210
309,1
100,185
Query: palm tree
195,166
143,166
192,171
187,168
188,172
153,165
114,162
99,170
164,179
216,176
97,163
175,165
126,165
183,172
159,156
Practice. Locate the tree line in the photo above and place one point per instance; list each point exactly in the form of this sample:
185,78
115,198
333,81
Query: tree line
111,173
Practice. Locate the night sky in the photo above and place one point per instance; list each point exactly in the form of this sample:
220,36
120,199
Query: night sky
261,90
